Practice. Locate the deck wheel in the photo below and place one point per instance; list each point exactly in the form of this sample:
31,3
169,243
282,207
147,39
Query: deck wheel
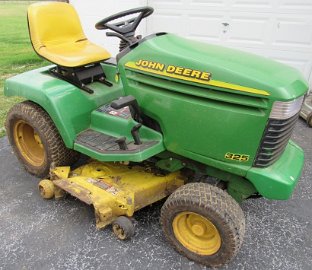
123,228
46,189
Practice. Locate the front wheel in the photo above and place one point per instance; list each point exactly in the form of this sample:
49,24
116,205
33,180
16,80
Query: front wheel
203,223
35,139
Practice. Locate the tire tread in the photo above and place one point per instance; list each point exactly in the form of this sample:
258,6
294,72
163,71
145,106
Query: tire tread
210,199
57,152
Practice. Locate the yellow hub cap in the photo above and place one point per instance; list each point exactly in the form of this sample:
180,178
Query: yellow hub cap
196,233
28,143
119,232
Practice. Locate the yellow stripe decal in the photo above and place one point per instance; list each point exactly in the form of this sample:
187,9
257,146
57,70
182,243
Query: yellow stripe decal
220,84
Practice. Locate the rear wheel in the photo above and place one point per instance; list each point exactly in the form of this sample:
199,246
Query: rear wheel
35,139
203,223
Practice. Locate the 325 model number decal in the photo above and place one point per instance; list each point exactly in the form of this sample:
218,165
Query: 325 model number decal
237,157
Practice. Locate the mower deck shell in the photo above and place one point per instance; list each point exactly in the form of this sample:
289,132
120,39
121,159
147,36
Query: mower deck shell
114,189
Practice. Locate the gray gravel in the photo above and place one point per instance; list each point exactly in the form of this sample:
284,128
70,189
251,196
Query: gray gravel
40,234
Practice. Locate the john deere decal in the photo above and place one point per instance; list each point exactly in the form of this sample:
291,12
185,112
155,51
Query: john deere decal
188,74
171,69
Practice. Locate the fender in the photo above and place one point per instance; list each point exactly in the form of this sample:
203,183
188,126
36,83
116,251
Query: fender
68,106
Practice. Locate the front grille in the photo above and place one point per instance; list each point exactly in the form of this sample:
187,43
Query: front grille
274,140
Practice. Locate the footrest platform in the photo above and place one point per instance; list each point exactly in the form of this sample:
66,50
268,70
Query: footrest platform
106,144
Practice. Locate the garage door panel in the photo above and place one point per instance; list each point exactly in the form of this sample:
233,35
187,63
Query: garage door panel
212,23
295,6
167,4
204,3
189,4
247,29
293,33
247,4
161,23
297,60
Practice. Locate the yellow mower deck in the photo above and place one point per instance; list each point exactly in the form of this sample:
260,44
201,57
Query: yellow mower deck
113,189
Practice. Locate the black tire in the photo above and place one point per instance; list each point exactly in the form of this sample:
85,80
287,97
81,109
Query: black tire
214,205
123,228
28,118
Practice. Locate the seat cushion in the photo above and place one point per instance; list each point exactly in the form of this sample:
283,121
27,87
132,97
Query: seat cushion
57,35
74,54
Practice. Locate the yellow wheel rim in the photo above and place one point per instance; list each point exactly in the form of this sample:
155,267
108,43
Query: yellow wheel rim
46,189
196,233
28,143
119,232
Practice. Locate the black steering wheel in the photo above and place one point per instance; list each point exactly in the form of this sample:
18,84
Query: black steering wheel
127,27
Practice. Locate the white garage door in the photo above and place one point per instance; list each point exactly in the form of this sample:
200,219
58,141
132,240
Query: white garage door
279,29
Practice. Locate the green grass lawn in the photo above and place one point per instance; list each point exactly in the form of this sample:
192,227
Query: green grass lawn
16,52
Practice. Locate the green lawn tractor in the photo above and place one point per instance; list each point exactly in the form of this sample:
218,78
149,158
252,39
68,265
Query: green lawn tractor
205,125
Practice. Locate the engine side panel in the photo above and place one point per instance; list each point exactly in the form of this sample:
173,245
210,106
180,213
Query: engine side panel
210,105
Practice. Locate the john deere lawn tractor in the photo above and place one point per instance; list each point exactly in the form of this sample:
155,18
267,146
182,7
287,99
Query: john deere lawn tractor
205,125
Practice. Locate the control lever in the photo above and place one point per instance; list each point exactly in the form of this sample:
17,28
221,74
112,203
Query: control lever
133,106
135,134
122,143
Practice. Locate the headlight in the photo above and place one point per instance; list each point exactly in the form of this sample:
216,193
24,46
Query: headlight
284,110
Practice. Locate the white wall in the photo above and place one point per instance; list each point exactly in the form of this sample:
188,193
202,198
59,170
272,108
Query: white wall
90,12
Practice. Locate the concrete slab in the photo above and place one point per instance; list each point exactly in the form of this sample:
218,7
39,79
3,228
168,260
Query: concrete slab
39,234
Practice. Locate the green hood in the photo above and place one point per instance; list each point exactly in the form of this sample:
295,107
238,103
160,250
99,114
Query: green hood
225,65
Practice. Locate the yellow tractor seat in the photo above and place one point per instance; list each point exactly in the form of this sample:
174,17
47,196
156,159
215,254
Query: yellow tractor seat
56,34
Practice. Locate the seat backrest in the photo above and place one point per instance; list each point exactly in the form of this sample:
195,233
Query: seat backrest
53,23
